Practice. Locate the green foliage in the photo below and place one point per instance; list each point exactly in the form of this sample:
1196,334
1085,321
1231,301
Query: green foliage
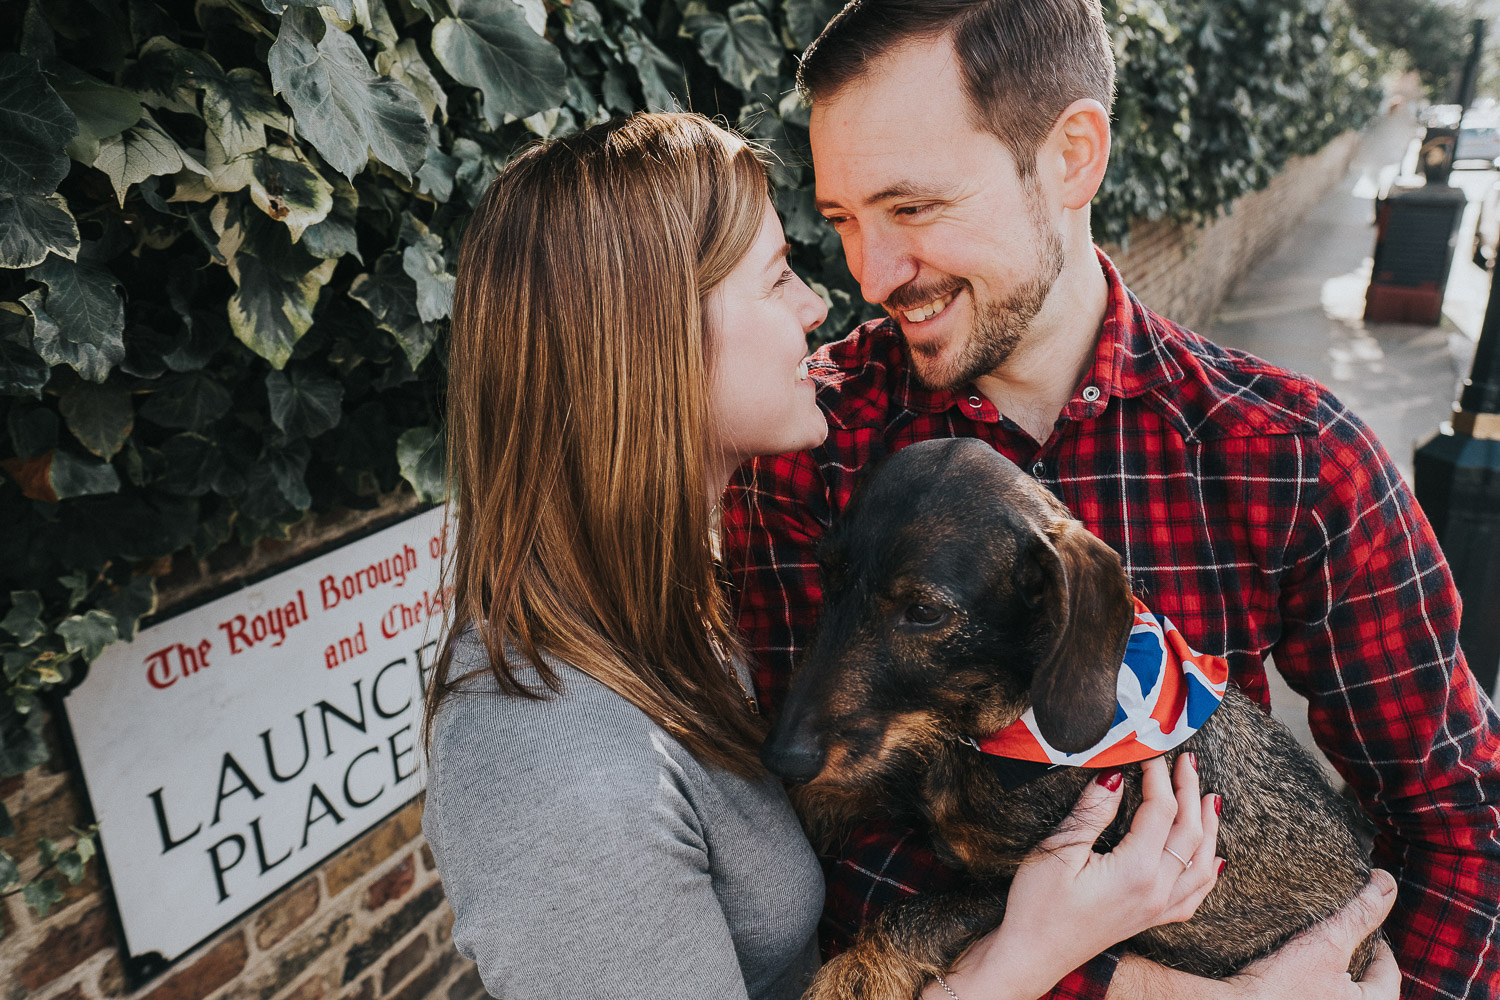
228,233
1215,96
43,891
1433,36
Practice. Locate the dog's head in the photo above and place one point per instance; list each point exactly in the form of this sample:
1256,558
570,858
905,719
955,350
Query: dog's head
957,592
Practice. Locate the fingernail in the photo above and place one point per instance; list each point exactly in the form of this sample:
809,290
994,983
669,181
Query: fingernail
1218,805
1192,761
1111,779
1223,863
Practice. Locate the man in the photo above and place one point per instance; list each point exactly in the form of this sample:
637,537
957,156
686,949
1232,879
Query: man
957,145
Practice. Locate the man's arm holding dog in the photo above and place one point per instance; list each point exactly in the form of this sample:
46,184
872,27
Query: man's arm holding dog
1370,636
1312,964
774,516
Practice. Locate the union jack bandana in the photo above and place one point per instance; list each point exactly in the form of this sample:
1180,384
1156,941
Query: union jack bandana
1165,692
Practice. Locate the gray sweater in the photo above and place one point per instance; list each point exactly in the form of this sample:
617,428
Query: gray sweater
587,854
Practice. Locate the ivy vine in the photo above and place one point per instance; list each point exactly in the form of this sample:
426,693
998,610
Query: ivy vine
228,231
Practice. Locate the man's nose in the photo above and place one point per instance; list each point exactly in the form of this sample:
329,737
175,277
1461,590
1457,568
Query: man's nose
881,263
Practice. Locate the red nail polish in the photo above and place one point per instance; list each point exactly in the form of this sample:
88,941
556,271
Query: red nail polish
1192,760
1222,865
1111,779
1218,805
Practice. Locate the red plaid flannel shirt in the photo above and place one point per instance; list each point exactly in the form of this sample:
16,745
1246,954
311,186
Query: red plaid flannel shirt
1255,511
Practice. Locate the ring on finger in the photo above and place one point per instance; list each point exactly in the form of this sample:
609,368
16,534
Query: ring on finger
1186,862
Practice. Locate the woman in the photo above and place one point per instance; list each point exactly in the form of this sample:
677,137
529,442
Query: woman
626,332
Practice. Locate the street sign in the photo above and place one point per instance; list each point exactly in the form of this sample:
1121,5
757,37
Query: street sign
231,748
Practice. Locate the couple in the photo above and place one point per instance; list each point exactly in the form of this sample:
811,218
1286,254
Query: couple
627,336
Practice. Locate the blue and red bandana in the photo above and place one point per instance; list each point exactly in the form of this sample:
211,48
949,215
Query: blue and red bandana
1165,692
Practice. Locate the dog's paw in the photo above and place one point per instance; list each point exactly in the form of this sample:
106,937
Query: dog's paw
862,974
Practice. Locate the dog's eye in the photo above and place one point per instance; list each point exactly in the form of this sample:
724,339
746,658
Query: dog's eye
925,615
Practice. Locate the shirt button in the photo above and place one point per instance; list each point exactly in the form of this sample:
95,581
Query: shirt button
1038,469
975,402
1090,393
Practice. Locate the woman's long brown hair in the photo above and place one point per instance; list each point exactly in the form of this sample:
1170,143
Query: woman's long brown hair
578,426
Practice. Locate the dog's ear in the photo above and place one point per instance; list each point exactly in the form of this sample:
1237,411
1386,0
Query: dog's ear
1082,600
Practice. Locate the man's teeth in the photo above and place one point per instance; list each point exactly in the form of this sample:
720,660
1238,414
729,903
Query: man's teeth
928,311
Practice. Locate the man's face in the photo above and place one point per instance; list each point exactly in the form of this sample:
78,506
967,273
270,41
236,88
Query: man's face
938,226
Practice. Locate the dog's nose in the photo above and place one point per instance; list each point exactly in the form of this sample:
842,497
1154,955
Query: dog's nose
795,760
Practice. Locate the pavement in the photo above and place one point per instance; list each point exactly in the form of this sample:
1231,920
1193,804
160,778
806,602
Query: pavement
1302,308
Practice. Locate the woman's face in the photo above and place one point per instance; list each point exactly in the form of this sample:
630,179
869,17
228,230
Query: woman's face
758,318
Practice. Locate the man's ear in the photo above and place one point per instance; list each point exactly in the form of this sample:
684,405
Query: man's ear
1078,148
1084,613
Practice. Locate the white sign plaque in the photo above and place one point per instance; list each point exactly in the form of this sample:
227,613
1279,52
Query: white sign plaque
231,748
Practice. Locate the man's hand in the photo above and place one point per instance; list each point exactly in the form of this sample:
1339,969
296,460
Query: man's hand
1312,966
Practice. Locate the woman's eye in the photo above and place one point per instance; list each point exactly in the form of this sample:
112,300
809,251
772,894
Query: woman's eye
925,615
786,276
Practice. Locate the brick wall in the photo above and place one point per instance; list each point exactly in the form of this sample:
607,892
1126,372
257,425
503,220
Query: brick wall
372,924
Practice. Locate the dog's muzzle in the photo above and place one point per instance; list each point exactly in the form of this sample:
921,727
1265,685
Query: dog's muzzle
793,756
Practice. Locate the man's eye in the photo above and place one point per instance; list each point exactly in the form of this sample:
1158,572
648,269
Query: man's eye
925,615
912,210
835,220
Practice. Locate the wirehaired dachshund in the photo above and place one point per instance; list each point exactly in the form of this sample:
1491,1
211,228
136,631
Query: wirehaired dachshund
958,594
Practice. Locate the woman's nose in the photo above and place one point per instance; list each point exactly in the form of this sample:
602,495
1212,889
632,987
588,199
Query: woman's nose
814,309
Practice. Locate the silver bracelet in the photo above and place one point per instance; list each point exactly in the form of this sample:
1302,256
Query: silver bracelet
944,984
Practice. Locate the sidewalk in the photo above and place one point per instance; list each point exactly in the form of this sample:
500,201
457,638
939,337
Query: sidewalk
1302,308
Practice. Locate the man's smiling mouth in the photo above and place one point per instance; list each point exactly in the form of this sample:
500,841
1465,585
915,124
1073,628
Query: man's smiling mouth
926,311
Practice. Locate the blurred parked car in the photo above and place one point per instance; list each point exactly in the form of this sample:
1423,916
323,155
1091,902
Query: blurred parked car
1479,136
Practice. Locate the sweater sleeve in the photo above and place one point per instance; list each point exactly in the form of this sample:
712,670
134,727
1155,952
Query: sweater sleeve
575,863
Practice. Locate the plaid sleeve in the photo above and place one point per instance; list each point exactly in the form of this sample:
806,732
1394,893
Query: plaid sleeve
774,514
1370,637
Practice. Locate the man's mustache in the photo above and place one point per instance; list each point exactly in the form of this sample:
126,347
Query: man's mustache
910,296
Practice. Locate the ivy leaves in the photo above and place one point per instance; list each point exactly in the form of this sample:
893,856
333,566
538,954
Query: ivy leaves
32,226
345,109
489,46
303,402
35,126
739,43
79,319
237,108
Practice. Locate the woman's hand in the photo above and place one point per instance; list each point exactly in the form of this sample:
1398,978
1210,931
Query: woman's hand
1068,903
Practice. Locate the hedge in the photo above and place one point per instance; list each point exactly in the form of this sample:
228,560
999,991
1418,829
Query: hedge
227,235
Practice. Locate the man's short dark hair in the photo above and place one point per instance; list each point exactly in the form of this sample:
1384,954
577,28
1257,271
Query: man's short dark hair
1023,61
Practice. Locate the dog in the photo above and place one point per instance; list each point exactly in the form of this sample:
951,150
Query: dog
958,594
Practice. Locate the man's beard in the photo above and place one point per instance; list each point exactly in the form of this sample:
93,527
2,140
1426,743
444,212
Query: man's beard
999,327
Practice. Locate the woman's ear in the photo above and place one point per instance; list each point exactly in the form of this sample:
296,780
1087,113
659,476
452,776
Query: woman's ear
1084,610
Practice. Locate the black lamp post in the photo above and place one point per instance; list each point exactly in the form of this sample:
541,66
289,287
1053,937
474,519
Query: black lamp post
1458,478
1458,486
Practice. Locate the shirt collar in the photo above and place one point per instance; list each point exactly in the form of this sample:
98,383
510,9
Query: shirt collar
1129,360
